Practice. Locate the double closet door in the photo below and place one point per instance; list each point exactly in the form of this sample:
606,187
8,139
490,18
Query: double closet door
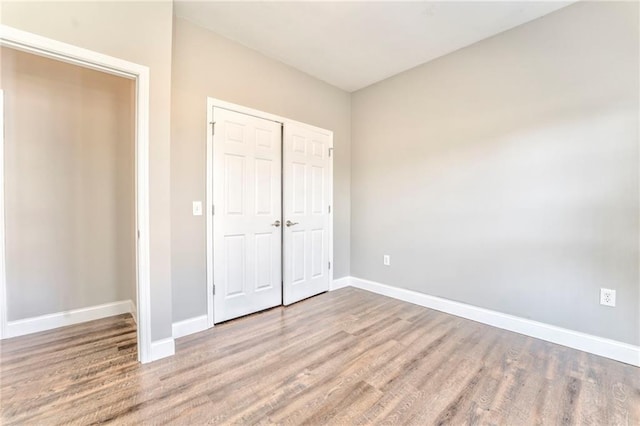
271,195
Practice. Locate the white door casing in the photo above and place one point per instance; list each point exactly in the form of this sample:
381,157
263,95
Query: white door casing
306,207
247,203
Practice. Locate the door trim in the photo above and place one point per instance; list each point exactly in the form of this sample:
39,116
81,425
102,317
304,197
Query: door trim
53,49
211,103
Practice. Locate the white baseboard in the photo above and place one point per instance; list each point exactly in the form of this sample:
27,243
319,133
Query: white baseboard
162,348
61,319
134,311
608,348
189,326
340,283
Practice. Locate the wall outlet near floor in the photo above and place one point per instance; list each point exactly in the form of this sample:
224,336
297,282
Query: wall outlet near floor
386,259
607,297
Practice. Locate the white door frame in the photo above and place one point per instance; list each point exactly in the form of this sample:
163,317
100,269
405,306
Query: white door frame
43,46
211,103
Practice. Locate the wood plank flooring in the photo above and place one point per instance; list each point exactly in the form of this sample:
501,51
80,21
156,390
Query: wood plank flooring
346,357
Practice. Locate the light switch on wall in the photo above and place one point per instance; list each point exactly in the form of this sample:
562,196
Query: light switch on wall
197,208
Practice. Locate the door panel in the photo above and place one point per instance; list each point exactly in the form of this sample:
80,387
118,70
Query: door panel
234,185
317,190
298,173
265,174
317,253
247,248
264,262
298,253
235,265
306,205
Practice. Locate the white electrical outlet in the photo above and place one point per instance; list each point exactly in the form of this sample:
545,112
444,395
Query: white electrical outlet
197,208
386,259
607,297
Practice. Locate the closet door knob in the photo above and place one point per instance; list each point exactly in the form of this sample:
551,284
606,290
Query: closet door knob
289,223
276,224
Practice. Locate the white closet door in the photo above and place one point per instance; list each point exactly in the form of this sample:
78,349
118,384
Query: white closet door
247,239
306,216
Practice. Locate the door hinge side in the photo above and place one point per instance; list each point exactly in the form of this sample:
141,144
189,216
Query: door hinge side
330,151
329,265
213,128
329,209
214,289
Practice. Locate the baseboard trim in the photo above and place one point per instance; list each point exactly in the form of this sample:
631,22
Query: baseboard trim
62,319
607,348
162,348
340,283
134,311
189,326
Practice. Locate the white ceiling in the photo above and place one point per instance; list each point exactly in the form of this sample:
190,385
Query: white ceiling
354,44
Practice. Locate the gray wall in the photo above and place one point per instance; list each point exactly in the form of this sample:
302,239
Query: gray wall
69,186
139,32
205,64
505,175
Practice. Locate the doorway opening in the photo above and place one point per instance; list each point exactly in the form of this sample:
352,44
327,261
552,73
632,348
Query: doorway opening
75,191
69,181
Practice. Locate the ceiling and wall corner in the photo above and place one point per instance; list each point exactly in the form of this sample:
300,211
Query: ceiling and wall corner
352,45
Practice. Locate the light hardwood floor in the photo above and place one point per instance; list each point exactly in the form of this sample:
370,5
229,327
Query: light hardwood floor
346,357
